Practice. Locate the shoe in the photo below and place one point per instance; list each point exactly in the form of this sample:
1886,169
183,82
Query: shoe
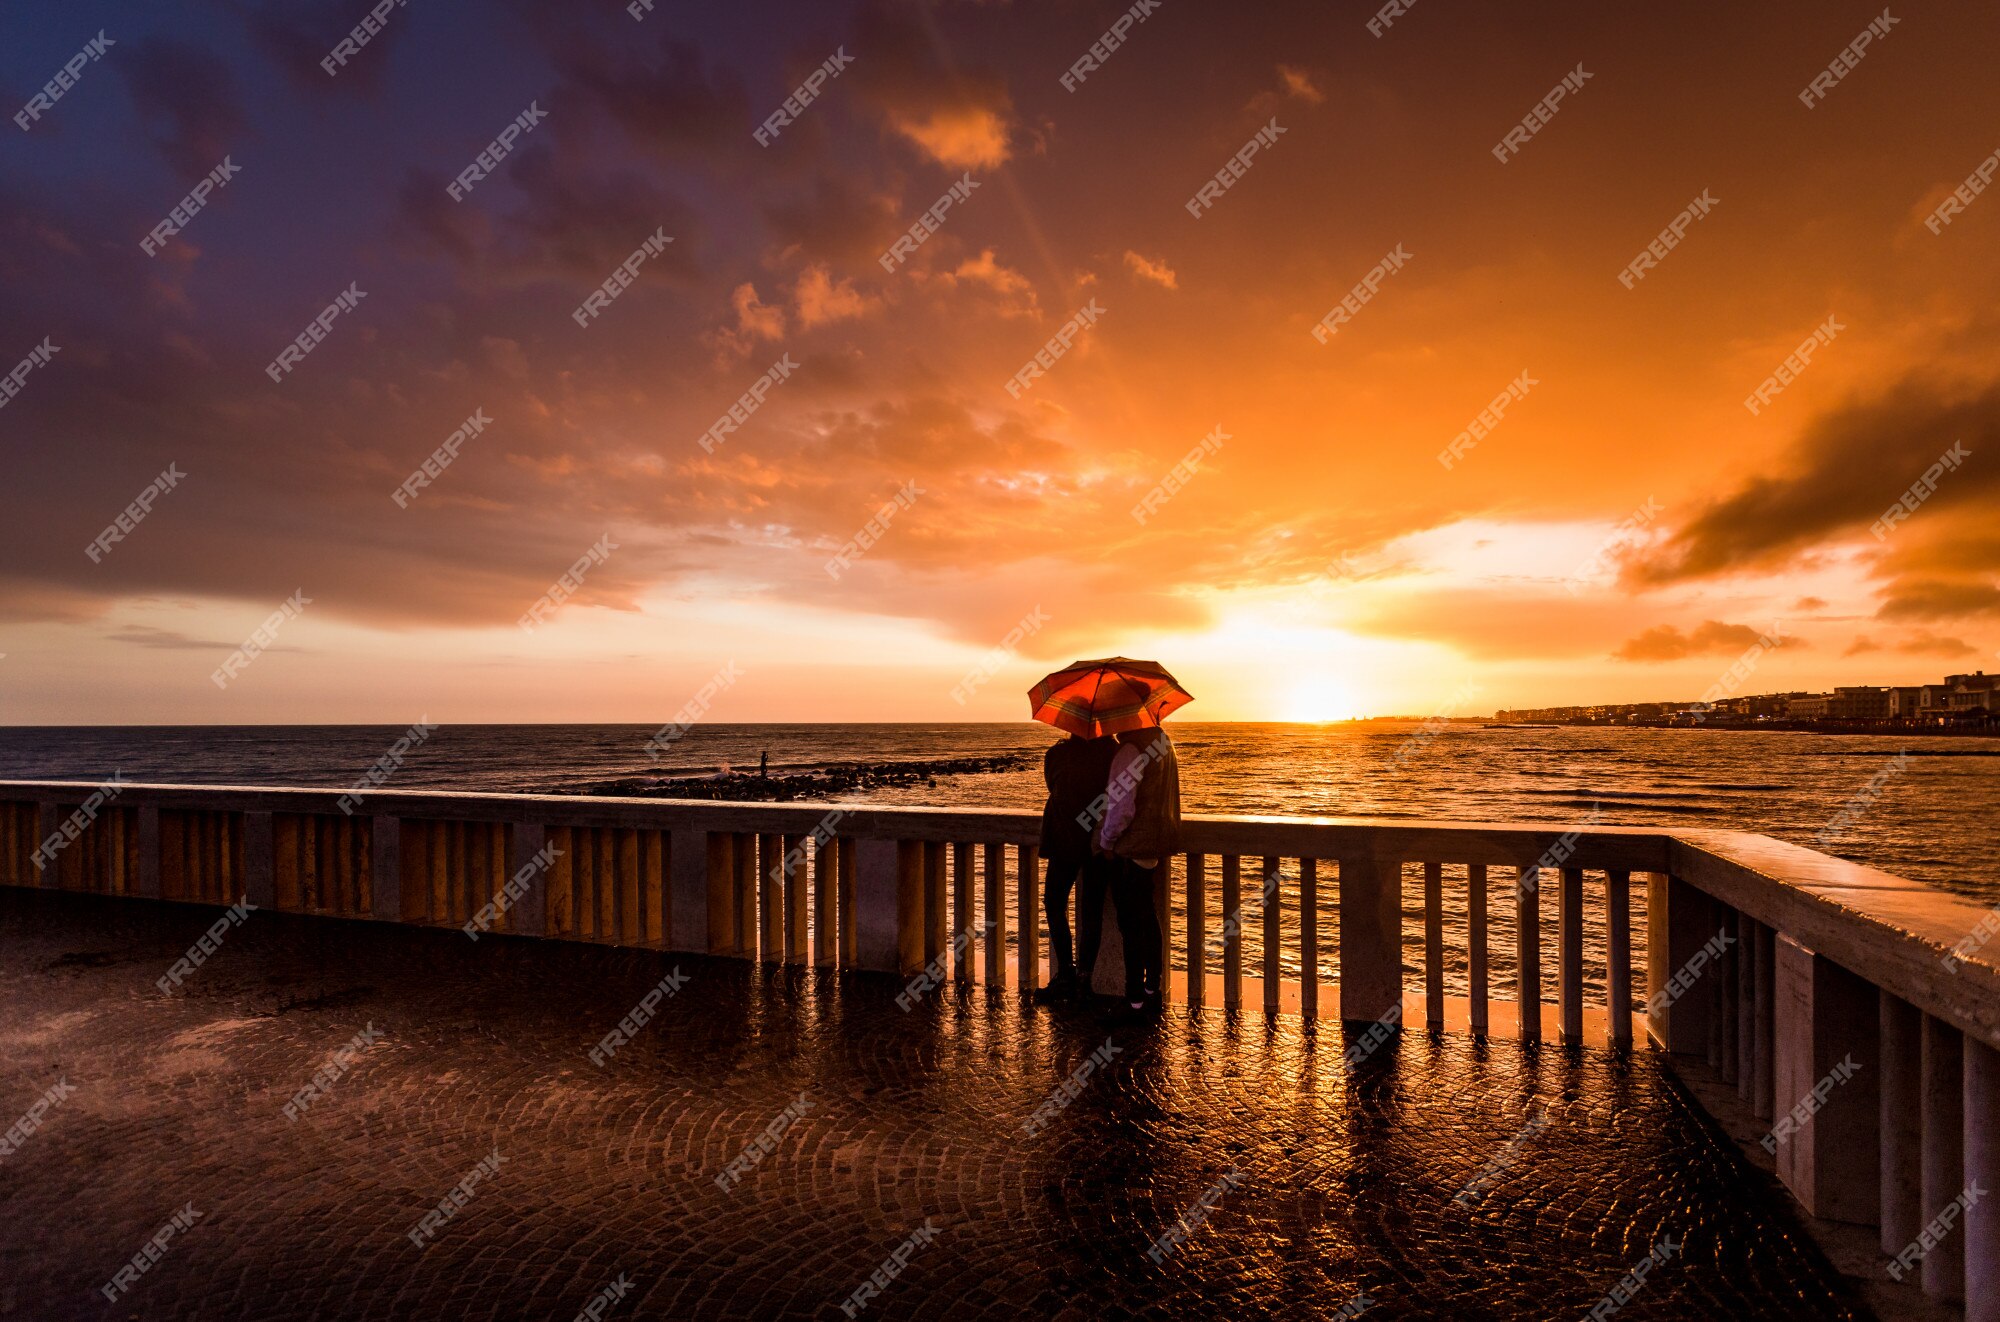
1061,989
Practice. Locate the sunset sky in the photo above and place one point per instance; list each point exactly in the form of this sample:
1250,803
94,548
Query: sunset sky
1318,561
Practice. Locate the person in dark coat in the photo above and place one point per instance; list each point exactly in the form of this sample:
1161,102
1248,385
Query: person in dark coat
1140,832
1075,770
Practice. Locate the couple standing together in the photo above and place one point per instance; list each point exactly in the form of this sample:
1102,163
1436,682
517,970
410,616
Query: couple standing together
1111,823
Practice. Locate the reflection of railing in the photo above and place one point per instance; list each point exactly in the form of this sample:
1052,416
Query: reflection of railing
1842,1003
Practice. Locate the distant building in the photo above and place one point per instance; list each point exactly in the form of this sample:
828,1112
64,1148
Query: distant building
1849,703
1906,702
1808,706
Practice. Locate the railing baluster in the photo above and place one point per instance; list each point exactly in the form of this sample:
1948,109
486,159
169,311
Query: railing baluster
1618,979
995,859
795,899
1982,1171
1766,994
1943,1075
1434,946
1746,1010
1475,922
721,872
1274,949
1197,930
1725,977
935,917
1232,932
1569,919
1900,1114
743,859
1028,947
1163,885
826,892
1528,950
963,921
1309,938
850,925
771,901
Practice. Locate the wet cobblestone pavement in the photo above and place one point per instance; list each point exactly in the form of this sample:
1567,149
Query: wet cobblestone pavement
1343,1186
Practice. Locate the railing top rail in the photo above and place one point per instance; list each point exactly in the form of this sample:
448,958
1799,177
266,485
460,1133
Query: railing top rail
1906,937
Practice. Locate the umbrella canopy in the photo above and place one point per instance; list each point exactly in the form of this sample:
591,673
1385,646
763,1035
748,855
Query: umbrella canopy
1093,698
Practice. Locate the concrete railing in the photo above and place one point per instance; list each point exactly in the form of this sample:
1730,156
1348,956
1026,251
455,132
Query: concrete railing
1858,1011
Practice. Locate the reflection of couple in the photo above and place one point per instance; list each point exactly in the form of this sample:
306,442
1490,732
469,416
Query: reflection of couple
1112,820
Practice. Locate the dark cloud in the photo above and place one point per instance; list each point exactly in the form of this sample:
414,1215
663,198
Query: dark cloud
1852,464
299,35
1710,637
670,99
188,94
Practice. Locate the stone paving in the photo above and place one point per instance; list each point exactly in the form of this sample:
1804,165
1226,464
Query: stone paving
1442,1178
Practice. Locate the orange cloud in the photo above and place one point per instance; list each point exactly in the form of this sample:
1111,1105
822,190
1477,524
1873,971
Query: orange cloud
960,137
1146,269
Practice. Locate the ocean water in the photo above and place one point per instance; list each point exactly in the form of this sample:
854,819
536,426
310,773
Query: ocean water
1933,814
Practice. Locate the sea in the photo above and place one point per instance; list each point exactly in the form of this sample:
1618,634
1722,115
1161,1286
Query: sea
1926,808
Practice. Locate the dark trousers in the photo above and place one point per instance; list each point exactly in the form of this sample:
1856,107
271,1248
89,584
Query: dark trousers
1138,925
1061,878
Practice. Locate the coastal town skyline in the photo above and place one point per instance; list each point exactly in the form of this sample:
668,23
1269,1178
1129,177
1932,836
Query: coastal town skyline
550,367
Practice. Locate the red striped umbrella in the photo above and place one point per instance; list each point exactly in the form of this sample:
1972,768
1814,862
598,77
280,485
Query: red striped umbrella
1093,698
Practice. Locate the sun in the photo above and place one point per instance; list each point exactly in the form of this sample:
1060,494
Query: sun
1318,700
